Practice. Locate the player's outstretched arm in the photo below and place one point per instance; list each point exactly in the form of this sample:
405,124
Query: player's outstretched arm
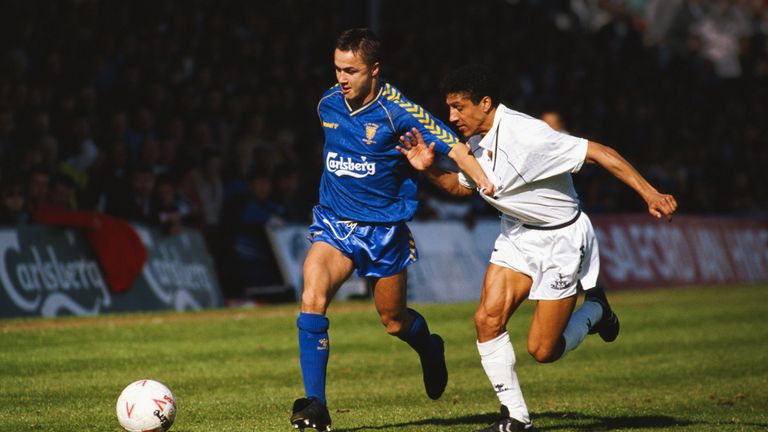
659,204
449,182
422,157
468,164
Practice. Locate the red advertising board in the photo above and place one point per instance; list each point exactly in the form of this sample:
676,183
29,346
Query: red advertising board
637,251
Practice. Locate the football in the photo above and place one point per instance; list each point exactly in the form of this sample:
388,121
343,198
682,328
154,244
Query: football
146,406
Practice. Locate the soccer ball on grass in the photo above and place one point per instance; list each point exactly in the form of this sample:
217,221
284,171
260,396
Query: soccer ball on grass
146,406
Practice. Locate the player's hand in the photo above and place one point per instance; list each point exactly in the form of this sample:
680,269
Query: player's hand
660,204
419,155
487,188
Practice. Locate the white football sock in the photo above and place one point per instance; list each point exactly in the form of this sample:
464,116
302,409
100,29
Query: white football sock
498,359
581,321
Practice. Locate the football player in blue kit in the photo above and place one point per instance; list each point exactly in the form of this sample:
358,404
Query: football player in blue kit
368,192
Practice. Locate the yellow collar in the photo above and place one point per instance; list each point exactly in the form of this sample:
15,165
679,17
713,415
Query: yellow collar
381,90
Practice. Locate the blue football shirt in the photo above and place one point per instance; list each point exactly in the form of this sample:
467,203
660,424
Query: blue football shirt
366,178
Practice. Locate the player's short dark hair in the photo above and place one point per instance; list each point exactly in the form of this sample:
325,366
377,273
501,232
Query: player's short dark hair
476,81
361,41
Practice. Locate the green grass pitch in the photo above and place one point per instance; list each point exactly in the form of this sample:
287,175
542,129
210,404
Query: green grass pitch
686,360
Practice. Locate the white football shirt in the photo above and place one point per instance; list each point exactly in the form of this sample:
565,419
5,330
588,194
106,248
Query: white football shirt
531,165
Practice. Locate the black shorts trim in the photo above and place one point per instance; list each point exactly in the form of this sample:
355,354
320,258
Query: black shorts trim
554,227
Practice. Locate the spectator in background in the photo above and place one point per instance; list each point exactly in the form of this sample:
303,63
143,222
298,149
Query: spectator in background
202,138
144,131
108,177
210,187
240,165
292,205
12,211
49,148
167,158
186,173
592,14
174,135
253,137
149,154
28,158
285,142
168,212
244,221
43,138
138,204
7,131
82,151
259,207
62,195
38,186
119,131
721,32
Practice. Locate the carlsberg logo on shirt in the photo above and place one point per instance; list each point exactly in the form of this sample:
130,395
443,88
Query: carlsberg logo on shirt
346,166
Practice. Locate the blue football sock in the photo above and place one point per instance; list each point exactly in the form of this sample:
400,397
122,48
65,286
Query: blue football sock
313,353
418,335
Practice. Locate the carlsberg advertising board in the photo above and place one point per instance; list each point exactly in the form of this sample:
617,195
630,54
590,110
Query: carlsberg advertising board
46,271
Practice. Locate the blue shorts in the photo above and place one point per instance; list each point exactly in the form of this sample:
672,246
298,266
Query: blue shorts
377,250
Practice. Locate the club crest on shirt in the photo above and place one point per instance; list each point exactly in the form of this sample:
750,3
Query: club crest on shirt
370,132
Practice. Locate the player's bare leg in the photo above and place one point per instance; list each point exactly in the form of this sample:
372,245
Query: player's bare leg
389,296
556,329
325,269
545,337
504,290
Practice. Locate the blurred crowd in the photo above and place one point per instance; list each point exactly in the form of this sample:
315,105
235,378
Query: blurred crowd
203,113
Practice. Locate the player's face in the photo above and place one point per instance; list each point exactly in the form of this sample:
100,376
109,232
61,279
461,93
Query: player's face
469,118
355,77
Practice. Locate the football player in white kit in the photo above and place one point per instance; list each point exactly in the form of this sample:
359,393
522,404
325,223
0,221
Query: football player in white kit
547,247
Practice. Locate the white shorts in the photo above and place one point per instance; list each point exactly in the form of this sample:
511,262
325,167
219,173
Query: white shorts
555,259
